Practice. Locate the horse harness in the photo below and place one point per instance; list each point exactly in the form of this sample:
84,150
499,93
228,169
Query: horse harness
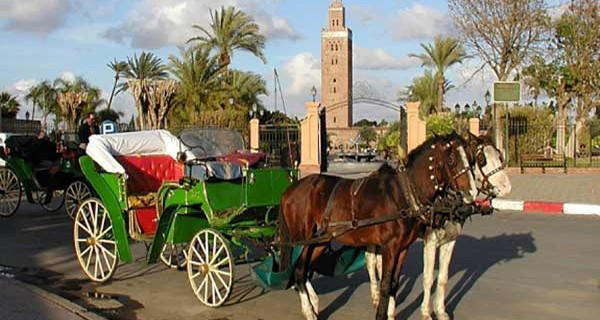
447,204
480,158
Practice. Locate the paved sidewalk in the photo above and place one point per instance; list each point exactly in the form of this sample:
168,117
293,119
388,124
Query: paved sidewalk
573,188
19,301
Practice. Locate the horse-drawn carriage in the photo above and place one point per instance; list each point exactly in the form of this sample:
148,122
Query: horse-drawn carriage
32,165
200,190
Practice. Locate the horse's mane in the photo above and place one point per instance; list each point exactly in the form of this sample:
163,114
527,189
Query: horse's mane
415,153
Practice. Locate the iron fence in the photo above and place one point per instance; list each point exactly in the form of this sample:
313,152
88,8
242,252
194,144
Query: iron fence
523,138
281,143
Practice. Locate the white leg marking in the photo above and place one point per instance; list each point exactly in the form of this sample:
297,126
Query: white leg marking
440,292
312,295
429,248
371,257
307,309
392,309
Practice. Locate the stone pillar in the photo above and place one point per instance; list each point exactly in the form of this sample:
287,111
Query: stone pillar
561,133
254,135
416,128
474,126
310,141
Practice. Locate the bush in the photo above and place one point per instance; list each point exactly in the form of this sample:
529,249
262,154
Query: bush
440,125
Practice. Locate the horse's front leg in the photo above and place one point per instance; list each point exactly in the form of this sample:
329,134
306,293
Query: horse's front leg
303,286
429,248
372,268
440,292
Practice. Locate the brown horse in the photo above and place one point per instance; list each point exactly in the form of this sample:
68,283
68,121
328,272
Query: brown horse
492,181
317,204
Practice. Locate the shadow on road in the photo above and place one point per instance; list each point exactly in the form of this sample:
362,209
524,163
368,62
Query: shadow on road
473,256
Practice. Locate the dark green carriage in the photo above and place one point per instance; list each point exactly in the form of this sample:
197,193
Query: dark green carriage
20,173
205,196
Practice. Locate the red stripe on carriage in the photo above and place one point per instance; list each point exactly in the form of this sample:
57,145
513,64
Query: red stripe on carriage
543,207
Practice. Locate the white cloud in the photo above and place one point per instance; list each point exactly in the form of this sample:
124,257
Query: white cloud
419,22
23,85
153,24
67,76
379,59
364,14
33,16
304,71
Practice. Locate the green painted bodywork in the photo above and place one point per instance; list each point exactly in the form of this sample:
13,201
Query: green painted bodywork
24,173
240,209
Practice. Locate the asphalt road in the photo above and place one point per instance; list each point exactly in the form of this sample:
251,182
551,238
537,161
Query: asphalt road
506,266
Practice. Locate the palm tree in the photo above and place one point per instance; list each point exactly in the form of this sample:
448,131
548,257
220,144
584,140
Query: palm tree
425,90
441,55
119,67
199,77
75,99
141,71
34,96
9,105
246,87
230,30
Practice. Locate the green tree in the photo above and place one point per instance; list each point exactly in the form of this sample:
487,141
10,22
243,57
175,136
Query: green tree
109,114
367,135
75,99
365,123
141,72
9,105
119,68
246,87
440,56
231,29
425,90
44,96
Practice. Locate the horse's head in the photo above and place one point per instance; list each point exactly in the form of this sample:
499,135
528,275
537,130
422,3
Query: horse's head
444,167
488,166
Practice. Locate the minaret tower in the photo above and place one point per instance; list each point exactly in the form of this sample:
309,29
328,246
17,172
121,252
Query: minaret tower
336,68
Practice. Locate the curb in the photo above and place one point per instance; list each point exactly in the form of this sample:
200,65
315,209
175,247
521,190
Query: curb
546,207
56,299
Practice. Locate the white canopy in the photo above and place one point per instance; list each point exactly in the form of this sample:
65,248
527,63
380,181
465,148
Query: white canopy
103,148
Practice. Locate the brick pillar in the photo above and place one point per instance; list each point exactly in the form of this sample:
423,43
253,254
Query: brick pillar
474,126
416,128
254,134
310,141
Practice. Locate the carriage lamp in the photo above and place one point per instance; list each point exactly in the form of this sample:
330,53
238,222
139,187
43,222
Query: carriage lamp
313,92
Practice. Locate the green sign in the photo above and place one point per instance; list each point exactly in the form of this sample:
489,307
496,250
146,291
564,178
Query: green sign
507,91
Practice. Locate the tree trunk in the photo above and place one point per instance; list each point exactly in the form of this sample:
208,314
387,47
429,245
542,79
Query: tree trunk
112,94
440,98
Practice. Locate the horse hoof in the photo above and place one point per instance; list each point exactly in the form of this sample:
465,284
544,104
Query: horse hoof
426,317
442,316
375,304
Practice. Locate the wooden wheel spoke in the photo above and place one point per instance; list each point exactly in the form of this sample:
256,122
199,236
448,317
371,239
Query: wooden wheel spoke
221,279
216,255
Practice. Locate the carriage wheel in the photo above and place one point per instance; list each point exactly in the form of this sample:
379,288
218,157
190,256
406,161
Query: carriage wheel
210,267
10,192
174,255
95,243
76,193
56,201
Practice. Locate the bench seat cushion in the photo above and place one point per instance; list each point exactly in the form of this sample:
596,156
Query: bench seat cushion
147,173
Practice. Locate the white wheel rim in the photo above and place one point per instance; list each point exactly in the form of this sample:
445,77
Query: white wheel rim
10,197
210,267
76,193
174,255
95,244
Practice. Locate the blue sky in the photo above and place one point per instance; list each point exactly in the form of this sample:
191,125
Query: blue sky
45,39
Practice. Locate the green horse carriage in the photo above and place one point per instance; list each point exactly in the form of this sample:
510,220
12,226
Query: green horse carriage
200,191
31,166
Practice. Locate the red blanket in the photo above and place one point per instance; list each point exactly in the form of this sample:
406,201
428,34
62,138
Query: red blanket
243,158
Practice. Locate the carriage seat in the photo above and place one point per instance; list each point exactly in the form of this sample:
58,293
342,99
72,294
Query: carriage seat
147,173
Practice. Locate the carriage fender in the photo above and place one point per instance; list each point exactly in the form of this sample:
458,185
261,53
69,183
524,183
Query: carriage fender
110,201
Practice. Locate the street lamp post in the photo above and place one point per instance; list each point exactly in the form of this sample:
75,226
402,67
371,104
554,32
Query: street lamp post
313,92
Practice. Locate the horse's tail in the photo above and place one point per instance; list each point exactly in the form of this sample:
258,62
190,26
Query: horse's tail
283,238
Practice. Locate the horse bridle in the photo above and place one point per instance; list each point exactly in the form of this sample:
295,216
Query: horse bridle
451,163
481,161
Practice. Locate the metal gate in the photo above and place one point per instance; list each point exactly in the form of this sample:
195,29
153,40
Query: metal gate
281,143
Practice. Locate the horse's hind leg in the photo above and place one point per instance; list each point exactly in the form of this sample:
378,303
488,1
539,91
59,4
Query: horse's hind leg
391,313
372,268
429,248
440,292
